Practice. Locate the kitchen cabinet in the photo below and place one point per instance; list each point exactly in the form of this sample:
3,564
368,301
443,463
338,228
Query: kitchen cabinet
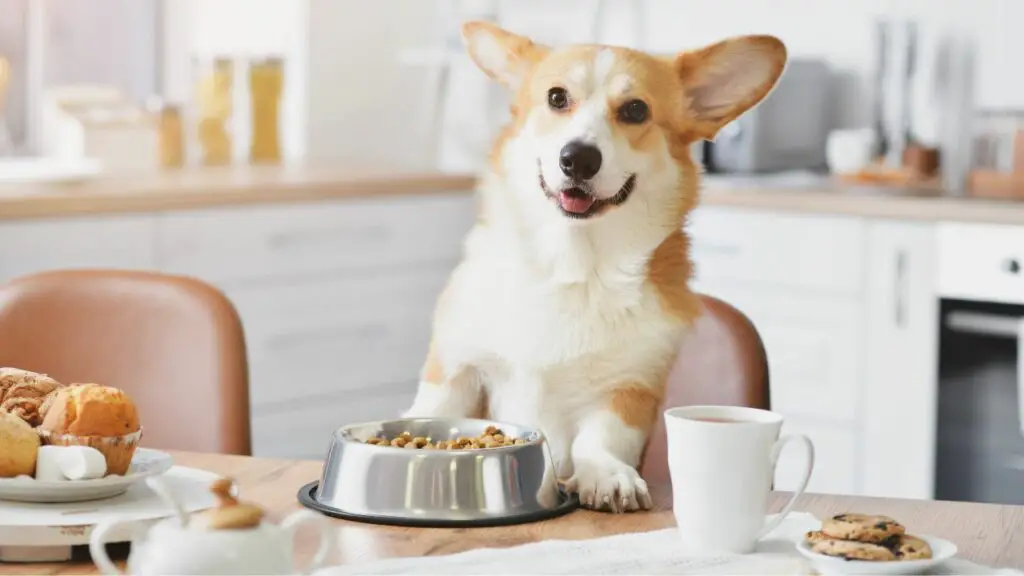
336,297
800,280
848,312
899,389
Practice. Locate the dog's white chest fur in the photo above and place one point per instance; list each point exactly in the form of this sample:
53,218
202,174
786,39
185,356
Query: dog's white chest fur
548,339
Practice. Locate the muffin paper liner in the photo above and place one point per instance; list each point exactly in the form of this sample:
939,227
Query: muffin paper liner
117,450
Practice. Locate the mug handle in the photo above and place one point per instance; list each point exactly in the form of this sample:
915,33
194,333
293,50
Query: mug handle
98,548
292,523
776,451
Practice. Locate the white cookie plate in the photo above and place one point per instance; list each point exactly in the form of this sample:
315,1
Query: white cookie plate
942,550
145,463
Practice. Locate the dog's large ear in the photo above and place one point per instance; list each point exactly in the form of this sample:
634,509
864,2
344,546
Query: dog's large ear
724,80
502,55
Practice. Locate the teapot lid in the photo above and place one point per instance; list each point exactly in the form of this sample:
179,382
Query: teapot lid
229,513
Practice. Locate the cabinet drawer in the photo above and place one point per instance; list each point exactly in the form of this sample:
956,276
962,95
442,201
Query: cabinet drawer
302,430
30,246
981,262
813,344
800,251
345,335
835,459
239,244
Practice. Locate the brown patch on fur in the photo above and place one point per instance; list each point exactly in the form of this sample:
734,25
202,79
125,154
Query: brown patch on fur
636,405
669,271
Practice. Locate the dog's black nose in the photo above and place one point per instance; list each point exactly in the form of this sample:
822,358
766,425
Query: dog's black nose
580,161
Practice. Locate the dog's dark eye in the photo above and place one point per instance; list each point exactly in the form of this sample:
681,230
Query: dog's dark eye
558,98
634,112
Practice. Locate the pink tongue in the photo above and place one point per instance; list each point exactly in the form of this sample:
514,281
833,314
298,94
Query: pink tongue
575,204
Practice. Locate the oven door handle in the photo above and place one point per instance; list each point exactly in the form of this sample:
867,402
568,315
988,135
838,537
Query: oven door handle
1020,374
999,326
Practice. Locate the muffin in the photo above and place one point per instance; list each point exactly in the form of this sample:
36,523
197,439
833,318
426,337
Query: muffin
19,447
101,417
23,393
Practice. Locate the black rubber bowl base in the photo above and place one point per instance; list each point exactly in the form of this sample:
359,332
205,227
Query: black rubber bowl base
306,497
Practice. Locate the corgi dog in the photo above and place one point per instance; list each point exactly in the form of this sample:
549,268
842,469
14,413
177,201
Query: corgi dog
571,300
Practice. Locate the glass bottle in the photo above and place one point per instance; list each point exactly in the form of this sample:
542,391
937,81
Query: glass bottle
5,135
266,83
172,136
214,109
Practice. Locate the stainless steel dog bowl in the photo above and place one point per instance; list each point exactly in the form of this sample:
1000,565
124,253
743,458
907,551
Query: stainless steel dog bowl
437,488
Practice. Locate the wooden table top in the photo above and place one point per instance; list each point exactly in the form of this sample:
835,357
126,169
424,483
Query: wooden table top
988,534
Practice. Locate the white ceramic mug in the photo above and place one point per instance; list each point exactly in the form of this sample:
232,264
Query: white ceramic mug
722,461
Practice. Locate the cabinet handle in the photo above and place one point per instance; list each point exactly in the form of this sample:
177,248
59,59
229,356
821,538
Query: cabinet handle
1012,266
900,296
371,233
1020,375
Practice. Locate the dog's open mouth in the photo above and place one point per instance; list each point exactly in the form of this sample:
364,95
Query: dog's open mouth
578,202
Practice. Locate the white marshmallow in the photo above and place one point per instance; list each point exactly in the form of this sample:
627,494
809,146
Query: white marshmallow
48,464
61,463
82,463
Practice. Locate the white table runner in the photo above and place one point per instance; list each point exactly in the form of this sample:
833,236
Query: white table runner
636,553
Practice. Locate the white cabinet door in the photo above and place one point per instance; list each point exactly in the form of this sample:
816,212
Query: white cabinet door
30,246
813,343
835,458
899,390
260,244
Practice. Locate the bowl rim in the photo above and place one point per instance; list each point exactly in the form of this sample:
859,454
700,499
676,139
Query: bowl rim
344,433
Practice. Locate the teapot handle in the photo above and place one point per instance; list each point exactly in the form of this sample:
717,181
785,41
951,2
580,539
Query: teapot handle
291,524
98,547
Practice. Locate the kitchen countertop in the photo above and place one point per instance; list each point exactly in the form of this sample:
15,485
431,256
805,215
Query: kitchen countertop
211,187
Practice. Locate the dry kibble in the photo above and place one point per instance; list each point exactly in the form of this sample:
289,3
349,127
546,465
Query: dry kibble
492,437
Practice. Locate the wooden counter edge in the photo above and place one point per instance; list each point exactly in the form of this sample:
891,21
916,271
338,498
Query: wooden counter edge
222,189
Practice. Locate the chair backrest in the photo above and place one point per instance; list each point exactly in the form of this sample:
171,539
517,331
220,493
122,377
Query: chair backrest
722,361
175,344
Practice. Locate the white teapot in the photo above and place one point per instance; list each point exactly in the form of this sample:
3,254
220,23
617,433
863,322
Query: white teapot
231,538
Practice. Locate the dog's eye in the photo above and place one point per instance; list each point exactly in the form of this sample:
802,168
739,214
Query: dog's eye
634,112
558,98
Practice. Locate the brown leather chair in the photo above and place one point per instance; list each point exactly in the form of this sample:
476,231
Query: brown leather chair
723,361
173,343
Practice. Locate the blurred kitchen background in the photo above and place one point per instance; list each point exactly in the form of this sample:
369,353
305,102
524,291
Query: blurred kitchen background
368,82
315,160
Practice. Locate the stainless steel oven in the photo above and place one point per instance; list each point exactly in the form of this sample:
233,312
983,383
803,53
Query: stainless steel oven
980,420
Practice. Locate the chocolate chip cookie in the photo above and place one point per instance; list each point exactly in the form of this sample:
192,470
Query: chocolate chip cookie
815,536
907,547
862,528
849,550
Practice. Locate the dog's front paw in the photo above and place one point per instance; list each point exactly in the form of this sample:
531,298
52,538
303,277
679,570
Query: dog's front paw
609,485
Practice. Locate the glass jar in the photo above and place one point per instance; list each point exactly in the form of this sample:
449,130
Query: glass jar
6,146
266,84
170,133
214,108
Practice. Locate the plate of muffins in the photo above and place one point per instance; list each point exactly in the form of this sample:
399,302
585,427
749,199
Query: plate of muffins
853,543
69,443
